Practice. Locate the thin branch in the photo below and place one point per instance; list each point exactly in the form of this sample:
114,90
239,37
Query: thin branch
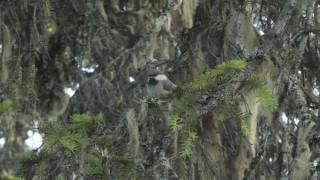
303,42
284,17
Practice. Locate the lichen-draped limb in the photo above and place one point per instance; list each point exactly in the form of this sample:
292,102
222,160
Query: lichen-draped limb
133,130
301,164
6,51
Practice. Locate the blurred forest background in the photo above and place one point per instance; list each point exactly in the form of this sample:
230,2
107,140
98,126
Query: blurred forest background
72,89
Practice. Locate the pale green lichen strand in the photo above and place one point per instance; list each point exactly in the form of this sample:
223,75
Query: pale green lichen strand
188,11
133,131
6,54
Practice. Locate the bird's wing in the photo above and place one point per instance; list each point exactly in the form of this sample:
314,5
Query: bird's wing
168,85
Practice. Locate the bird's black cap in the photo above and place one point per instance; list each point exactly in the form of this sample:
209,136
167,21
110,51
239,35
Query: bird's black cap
153,72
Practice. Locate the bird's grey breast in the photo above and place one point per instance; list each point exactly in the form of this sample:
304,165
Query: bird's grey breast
154,90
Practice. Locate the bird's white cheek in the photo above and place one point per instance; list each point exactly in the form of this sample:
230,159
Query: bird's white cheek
161,77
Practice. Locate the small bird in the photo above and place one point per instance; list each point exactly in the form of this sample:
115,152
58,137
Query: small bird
158,84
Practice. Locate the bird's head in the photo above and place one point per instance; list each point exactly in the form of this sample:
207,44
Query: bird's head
158,83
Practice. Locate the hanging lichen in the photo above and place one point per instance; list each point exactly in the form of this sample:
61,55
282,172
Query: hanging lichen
188,10
6,47
49,24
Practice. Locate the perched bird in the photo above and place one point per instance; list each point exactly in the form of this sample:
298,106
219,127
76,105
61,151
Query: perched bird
158,84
